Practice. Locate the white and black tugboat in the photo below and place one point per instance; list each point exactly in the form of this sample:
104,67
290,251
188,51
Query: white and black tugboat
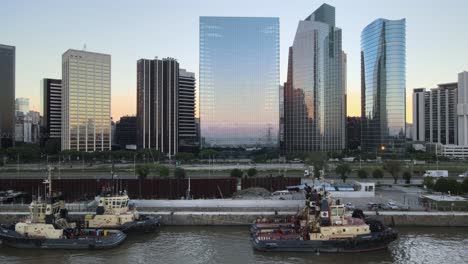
46,227
323,226
114,212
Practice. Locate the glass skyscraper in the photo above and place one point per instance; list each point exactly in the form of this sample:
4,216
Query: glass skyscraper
383,81
239,80
315,94
86,101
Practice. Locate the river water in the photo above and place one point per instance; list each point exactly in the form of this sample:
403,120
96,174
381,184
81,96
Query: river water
192,245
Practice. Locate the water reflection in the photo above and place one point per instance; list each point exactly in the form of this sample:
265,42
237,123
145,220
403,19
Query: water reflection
231,245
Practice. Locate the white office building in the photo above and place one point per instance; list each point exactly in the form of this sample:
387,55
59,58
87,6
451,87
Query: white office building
462,108
86,101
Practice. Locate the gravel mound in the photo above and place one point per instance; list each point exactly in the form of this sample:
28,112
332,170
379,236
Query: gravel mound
252,193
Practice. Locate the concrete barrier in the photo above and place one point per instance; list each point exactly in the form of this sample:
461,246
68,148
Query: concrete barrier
434,219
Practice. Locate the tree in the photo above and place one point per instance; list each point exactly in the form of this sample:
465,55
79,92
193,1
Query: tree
252,172
393,167
163,171
143,171
180,173
407,176
343,169
377,174
52,146
184,156
317,159
428,182
207,153
236,173
362,174
464,185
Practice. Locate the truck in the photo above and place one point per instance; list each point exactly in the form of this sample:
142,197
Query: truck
436,173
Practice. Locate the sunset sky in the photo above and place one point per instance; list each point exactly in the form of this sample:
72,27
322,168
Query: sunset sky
437,46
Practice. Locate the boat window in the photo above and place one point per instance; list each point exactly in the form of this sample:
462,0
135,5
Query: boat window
334,211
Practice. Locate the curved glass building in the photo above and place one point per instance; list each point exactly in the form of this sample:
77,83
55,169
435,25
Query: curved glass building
383,85
315,92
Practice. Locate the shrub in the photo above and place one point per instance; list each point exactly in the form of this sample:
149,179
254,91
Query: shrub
163,171
407,176
377,174
180,173
362,174
236,173
428,182
252,172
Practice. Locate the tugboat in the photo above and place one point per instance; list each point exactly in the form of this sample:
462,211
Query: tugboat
323,226
46,228
114,212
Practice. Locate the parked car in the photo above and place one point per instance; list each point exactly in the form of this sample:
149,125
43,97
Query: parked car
392,206
281,195
463,175
377,206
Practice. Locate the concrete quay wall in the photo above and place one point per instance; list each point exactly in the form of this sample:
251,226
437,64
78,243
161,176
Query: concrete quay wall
197,218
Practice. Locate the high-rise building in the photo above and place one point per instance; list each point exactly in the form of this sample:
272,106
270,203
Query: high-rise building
383,84
51,104
22,105
157,105
125,131
353,132
7,98
239,79
281,119
86,101
434,114
462,108
314,94
188,141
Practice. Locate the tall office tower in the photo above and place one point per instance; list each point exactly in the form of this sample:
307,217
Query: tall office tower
435,114
383,84
187,129
22,105
86,101
157,105
7,98
462,108
281,119
418,115
353,132
314,94
239,79
51,101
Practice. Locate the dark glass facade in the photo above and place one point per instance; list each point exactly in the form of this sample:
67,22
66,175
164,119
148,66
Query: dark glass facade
383,81
157,105
7,95
239,80
188,141
314,94
125,131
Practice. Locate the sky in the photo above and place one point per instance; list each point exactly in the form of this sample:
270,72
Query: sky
437,38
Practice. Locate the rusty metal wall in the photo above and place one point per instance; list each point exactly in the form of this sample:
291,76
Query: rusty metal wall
80,189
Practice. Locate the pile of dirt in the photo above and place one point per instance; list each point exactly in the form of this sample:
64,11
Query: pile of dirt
252,193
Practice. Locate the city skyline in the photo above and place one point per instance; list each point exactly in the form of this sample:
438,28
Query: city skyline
39,59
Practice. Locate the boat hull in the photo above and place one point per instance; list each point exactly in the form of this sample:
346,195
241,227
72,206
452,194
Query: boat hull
145,225
361,243
16,240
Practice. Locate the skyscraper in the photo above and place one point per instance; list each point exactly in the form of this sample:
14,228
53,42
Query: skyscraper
434,114
86,101
383,84
22,105
188,141
239,80
314,94
126,131
7,98
157,105
51,101
462,108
